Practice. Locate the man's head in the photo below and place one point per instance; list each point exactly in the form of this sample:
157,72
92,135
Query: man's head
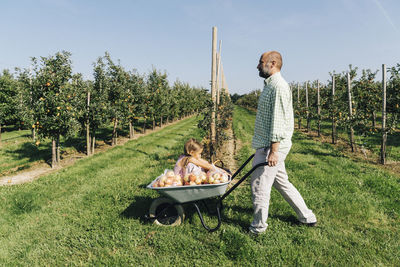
270,63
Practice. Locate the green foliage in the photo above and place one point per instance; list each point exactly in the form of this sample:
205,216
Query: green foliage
8,98
51,94
249,100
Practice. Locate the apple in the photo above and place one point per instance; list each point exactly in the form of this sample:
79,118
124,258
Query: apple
156,183
203,177
170,174
192,183
211,180
169,181
186,178
177,177
163,178
216,176
192,177
224,179
217,182
198,180
161,184
186,183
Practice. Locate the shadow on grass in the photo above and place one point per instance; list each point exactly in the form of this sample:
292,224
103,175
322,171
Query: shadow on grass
138,209
31,152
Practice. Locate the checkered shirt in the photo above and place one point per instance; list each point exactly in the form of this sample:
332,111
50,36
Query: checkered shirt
274,119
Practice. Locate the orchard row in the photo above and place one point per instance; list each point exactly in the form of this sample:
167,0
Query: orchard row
348,101
53,101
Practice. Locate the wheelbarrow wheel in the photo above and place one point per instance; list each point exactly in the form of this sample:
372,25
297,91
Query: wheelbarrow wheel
166,212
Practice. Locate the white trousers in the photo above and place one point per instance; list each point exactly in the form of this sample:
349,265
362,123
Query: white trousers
262,180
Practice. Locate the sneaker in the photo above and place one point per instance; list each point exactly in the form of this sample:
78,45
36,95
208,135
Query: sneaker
252,232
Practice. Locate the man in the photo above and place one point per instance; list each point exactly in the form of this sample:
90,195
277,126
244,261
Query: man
272,140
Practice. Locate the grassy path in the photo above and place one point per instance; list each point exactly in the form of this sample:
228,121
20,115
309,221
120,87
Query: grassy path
90,213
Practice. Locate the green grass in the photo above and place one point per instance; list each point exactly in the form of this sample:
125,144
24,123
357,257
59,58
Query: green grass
18,151
91,213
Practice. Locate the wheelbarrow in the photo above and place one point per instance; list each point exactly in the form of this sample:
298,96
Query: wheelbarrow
168,210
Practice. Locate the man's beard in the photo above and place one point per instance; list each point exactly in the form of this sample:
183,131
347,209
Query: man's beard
264,74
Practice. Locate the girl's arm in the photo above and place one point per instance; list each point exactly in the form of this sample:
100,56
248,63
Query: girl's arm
201,163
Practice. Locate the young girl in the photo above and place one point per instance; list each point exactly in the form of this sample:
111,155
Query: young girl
191,161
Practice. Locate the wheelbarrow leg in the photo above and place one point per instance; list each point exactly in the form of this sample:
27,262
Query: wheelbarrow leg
202,220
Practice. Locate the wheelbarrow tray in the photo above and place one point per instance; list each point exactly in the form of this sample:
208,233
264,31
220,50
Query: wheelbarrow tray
188,193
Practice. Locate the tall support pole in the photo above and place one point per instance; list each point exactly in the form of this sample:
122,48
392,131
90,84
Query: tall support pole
298,105
224,85
307,110
384,133
353,147
213,89
318,110
333,110
88,141
219,76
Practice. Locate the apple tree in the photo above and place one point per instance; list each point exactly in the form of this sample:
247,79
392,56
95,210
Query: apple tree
52,113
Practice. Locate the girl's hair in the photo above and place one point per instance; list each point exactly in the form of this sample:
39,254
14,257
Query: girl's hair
191,146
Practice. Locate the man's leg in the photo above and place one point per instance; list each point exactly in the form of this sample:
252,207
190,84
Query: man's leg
292,195
261,183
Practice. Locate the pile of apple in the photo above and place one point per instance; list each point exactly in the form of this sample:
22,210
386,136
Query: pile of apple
169,178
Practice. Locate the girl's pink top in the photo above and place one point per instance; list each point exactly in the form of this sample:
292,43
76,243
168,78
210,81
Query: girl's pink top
190,168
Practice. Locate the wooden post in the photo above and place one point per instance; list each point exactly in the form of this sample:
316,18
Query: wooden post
384,133
218,74
88,126
298,105
53,153
213,88
58,149
353,147
333,110
318,109
307,110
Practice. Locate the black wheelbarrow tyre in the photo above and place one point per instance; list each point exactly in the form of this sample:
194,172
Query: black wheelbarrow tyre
175,212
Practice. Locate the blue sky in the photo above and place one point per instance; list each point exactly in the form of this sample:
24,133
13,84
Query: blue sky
314,37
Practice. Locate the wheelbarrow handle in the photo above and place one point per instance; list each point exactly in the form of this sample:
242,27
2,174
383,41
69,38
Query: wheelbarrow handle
243,178
241,167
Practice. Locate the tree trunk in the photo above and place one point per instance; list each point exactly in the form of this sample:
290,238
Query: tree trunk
154,123
0,133
144,127
33,134
131,130
93,139
53,153
88,141
114,133
161,121
58,149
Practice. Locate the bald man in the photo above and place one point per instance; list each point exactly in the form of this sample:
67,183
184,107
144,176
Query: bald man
272,140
